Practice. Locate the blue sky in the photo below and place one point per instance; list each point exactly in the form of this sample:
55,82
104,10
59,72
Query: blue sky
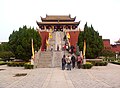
104,15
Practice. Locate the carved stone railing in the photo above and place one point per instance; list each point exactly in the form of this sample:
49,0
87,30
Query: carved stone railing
37,58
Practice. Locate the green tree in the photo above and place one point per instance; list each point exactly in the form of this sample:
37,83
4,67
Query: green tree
4,46
5,55
20,42
5,52
94,43
107,53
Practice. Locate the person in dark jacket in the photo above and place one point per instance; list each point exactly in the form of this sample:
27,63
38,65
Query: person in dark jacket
57,47
72,49
73,61
63,62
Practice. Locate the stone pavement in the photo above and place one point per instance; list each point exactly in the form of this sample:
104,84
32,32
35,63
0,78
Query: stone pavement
97,77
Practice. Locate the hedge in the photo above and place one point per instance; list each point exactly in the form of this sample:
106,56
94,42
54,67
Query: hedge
97,62
3,63
111,59
94,61
118,63
103,63
28,66
88,65
15,64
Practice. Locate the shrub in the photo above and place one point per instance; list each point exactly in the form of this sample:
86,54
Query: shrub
88,65
9,64
110,59
16,64
118,63
103,63
94,61
28,66
3,63
97,62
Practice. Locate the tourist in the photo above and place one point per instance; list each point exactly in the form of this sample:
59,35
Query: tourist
64,38
57,47
68,61
67,47
79,61
72,49
63,62
51,47
64,47
73,61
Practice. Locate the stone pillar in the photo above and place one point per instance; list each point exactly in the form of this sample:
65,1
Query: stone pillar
44,27
63,28
53,28
70,27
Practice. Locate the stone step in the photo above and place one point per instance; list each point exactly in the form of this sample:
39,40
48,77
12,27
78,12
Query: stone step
44,66
45,59
45,56
40,65
52,59
45,63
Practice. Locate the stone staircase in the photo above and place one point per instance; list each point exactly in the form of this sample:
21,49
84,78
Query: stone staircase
57,56
46,59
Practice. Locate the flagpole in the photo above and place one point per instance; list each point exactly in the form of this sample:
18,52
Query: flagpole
84,50
33,54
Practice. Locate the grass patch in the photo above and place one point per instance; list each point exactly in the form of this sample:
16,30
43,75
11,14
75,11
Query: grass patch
2,69
20,74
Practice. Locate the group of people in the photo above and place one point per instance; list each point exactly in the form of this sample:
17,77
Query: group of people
70,61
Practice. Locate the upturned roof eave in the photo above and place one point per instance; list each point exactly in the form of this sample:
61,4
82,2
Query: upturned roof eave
55,19
55,23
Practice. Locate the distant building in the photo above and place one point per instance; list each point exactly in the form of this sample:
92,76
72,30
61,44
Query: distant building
111,47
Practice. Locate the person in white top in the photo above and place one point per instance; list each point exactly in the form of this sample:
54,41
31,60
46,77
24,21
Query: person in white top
68,61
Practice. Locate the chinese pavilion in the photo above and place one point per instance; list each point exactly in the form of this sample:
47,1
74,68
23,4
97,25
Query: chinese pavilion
58,23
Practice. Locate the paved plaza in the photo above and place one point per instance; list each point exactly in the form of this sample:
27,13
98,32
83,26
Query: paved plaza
97,77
